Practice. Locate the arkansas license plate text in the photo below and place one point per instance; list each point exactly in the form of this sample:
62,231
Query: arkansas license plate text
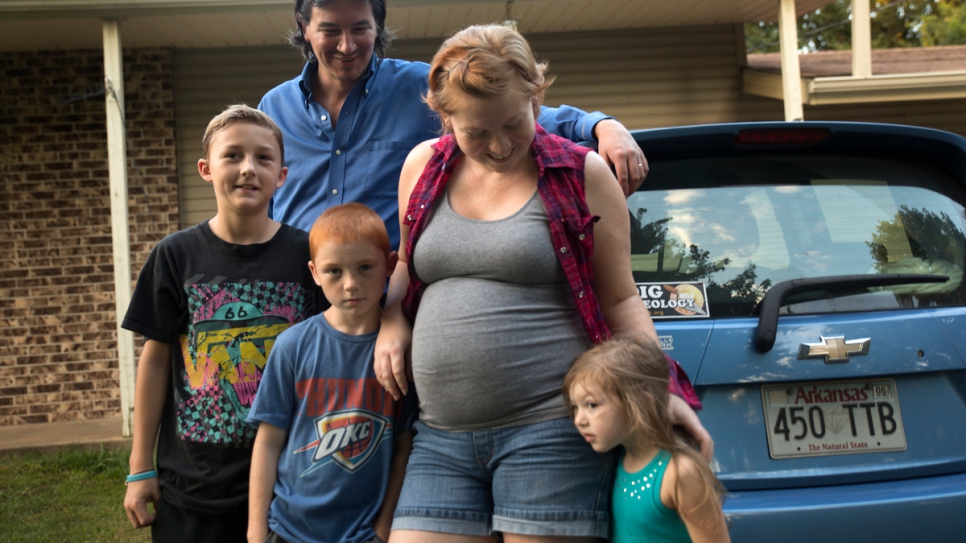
823,418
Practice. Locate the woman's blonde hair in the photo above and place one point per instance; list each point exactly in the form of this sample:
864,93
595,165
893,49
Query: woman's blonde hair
484,61
636,373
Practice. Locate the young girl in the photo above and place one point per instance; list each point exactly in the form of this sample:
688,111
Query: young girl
664,490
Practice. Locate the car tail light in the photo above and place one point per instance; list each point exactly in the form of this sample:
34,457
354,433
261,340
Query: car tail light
781,136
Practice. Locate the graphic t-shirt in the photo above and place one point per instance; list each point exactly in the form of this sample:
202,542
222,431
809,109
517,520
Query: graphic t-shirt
221,307
320,386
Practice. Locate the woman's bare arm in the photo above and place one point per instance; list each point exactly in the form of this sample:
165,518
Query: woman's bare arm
614,285
395,333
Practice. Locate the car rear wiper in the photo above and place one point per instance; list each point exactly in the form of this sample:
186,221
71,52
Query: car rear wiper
769,306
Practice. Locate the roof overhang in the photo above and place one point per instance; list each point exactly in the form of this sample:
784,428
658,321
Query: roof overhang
71,24
819,91
907,74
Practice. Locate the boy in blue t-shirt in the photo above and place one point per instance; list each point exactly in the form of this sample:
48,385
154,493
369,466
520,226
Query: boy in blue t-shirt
332,444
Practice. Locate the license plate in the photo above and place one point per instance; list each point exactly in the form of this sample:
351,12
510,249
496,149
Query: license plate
823,418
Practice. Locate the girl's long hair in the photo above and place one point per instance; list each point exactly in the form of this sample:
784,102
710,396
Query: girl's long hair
637,374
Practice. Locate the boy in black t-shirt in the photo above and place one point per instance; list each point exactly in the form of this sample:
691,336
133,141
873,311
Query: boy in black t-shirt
210,302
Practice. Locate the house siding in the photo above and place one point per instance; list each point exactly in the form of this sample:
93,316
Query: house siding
645,78
58,348
948,115
206,81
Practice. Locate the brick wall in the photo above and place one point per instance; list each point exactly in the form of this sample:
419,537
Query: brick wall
58,347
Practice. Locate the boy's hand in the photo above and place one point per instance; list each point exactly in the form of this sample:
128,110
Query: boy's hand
269,442
139,493
682,414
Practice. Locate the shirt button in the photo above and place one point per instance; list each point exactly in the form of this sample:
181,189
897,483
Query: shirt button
581,237
580,294
563,250
335,191
324,117
338,152
409,217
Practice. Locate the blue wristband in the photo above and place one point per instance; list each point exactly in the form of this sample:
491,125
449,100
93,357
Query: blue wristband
141,476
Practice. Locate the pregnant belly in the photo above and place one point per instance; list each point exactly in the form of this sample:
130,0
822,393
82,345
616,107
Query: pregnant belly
493,356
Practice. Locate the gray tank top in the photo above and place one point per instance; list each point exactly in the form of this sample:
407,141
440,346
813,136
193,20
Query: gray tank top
496,329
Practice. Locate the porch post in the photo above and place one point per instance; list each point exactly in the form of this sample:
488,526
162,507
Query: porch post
861,39
120,233
791,72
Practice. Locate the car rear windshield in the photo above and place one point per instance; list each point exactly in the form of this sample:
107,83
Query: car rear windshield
742,224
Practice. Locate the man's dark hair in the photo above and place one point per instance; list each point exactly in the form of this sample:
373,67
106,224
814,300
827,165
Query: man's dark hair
303,16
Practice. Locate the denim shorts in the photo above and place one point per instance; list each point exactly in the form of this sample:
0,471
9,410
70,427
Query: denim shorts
534,479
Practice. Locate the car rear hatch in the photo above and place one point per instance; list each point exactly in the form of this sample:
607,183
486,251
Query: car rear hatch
854,381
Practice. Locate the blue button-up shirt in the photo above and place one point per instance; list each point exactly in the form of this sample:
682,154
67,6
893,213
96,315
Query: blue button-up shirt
381,120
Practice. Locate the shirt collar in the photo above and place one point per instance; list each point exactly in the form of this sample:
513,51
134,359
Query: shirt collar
548,152
312,68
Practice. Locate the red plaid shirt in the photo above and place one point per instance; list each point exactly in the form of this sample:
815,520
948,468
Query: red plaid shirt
561,187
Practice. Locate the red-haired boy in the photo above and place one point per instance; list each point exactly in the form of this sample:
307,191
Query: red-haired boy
332,444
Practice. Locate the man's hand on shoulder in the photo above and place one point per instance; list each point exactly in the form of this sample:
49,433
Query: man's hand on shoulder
617,146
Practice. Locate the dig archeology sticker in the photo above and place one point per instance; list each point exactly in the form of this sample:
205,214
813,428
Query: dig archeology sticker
674,300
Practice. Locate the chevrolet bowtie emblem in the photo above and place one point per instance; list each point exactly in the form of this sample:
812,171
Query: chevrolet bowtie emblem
834,349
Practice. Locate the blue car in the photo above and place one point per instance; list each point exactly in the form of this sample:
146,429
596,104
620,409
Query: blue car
809,278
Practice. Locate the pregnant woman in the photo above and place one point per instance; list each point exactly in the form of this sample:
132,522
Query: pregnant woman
515,250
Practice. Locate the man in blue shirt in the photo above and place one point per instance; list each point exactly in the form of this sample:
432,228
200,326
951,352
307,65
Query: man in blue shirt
352,116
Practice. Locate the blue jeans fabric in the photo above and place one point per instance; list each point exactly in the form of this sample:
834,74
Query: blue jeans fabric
534,479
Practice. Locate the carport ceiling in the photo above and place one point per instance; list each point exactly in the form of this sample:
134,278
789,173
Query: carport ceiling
71,24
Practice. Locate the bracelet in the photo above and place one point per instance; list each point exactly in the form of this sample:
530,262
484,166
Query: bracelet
140,476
